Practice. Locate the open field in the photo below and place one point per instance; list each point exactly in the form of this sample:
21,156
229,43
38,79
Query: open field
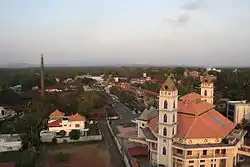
76,155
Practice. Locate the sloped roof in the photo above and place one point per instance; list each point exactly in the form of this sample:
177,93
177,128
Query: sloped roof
56,113
76,117
168,85
191,97
208,125
148,134
56,123
147,114
194,107
138,151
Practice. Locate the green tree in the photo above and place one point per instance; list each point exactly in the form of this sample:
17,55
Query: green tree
74,134
62,133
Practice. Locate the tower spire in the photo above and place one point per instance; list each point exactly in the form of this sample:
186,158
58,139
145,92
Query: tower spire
42,76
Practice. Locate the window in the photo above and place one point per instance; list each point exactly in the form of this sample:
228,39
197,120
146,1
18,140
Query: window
191,162
223,151
174,105
165,104
142,125
202,165
164,131
189,152
164,151
204,152
217,151
165,118
173,117
190,166
173,131
179,151
202,160
205,92
77,125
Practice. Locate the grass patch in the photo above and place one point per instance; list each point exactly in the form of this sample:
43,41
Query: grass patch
25,158
62,157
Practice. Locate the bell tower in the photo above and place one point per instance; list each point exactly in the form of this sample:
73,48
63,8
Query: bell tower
207,88
167,127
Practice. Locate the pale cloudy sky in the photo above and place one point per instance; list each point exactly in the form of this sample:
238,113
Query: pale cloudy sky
106,32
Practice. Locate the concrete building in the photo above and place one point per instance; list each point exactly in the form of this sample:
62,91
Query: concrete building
58,122
188,131
10,142
238,110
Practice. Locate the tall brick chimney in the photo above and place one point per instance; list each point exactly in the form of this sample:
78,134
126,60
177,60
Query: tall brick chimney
42,76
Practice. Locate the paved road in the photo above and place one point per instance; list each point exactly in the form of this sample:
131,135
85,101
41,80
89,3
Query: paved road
126,115
116,159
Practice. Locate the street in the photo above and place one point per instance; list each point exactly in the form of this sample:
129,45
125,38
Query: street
116,159
126,115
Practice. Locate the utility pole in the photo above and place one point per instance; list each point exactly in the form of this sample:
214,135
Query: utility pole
42,76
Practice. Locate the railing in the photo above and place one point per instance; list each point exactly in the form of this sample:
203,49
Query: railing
200,156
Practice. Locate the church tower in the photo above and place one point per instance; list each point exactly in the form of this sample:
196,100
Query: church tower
207,88
167,127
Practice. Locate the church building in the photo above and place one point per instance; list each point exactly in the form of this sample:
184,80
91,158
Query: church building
187,131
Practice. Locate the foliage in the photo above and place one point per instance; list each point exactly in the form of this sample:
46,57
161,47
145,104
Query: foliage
155,87
62,133
88,81
62,157
74,134
90,100
54,140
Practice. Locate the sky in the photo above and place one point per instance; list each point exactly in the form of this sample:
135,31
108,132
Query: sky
121,32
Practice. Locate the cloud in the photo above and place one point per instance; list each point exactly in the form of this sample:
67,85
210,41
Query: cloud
193,5
181,20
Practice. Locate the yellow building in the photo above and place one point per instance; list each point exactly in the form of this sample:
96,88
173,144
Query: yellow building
188,131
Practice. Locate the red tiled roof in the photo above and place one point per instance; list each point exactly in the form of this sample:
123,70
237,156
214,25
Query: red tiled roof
56,113
210,124
191,97
138,151
11,164
76,117
214,125
56,123
194,107
134,163
153,124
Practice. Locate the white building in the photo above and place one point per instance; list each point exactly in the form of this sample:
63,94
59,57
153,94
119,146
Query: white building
58,122
10,142
238,110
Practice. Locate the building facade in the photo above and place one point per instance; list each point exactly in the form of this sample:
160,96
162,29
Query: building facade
188,131
238,110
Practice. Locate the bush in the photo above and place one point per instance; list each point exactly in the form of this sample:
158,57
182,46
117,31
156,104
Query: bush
62,133
54,140
74,134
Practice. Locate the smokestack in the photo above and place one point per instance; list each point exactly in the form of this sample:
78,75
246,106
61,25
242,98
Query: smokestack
42,76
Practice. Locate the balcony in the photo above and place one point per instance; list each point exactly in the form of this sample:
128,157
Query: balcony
217,156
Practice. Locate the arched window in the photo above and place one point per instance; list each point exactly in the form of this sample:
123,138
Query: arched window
165,104
164,131
174,105
165,118
205,92
173,117
164,151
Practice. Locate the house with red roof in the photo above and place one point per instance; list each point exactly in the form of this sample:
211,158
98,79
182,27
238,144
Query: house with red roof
58,122
187,131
